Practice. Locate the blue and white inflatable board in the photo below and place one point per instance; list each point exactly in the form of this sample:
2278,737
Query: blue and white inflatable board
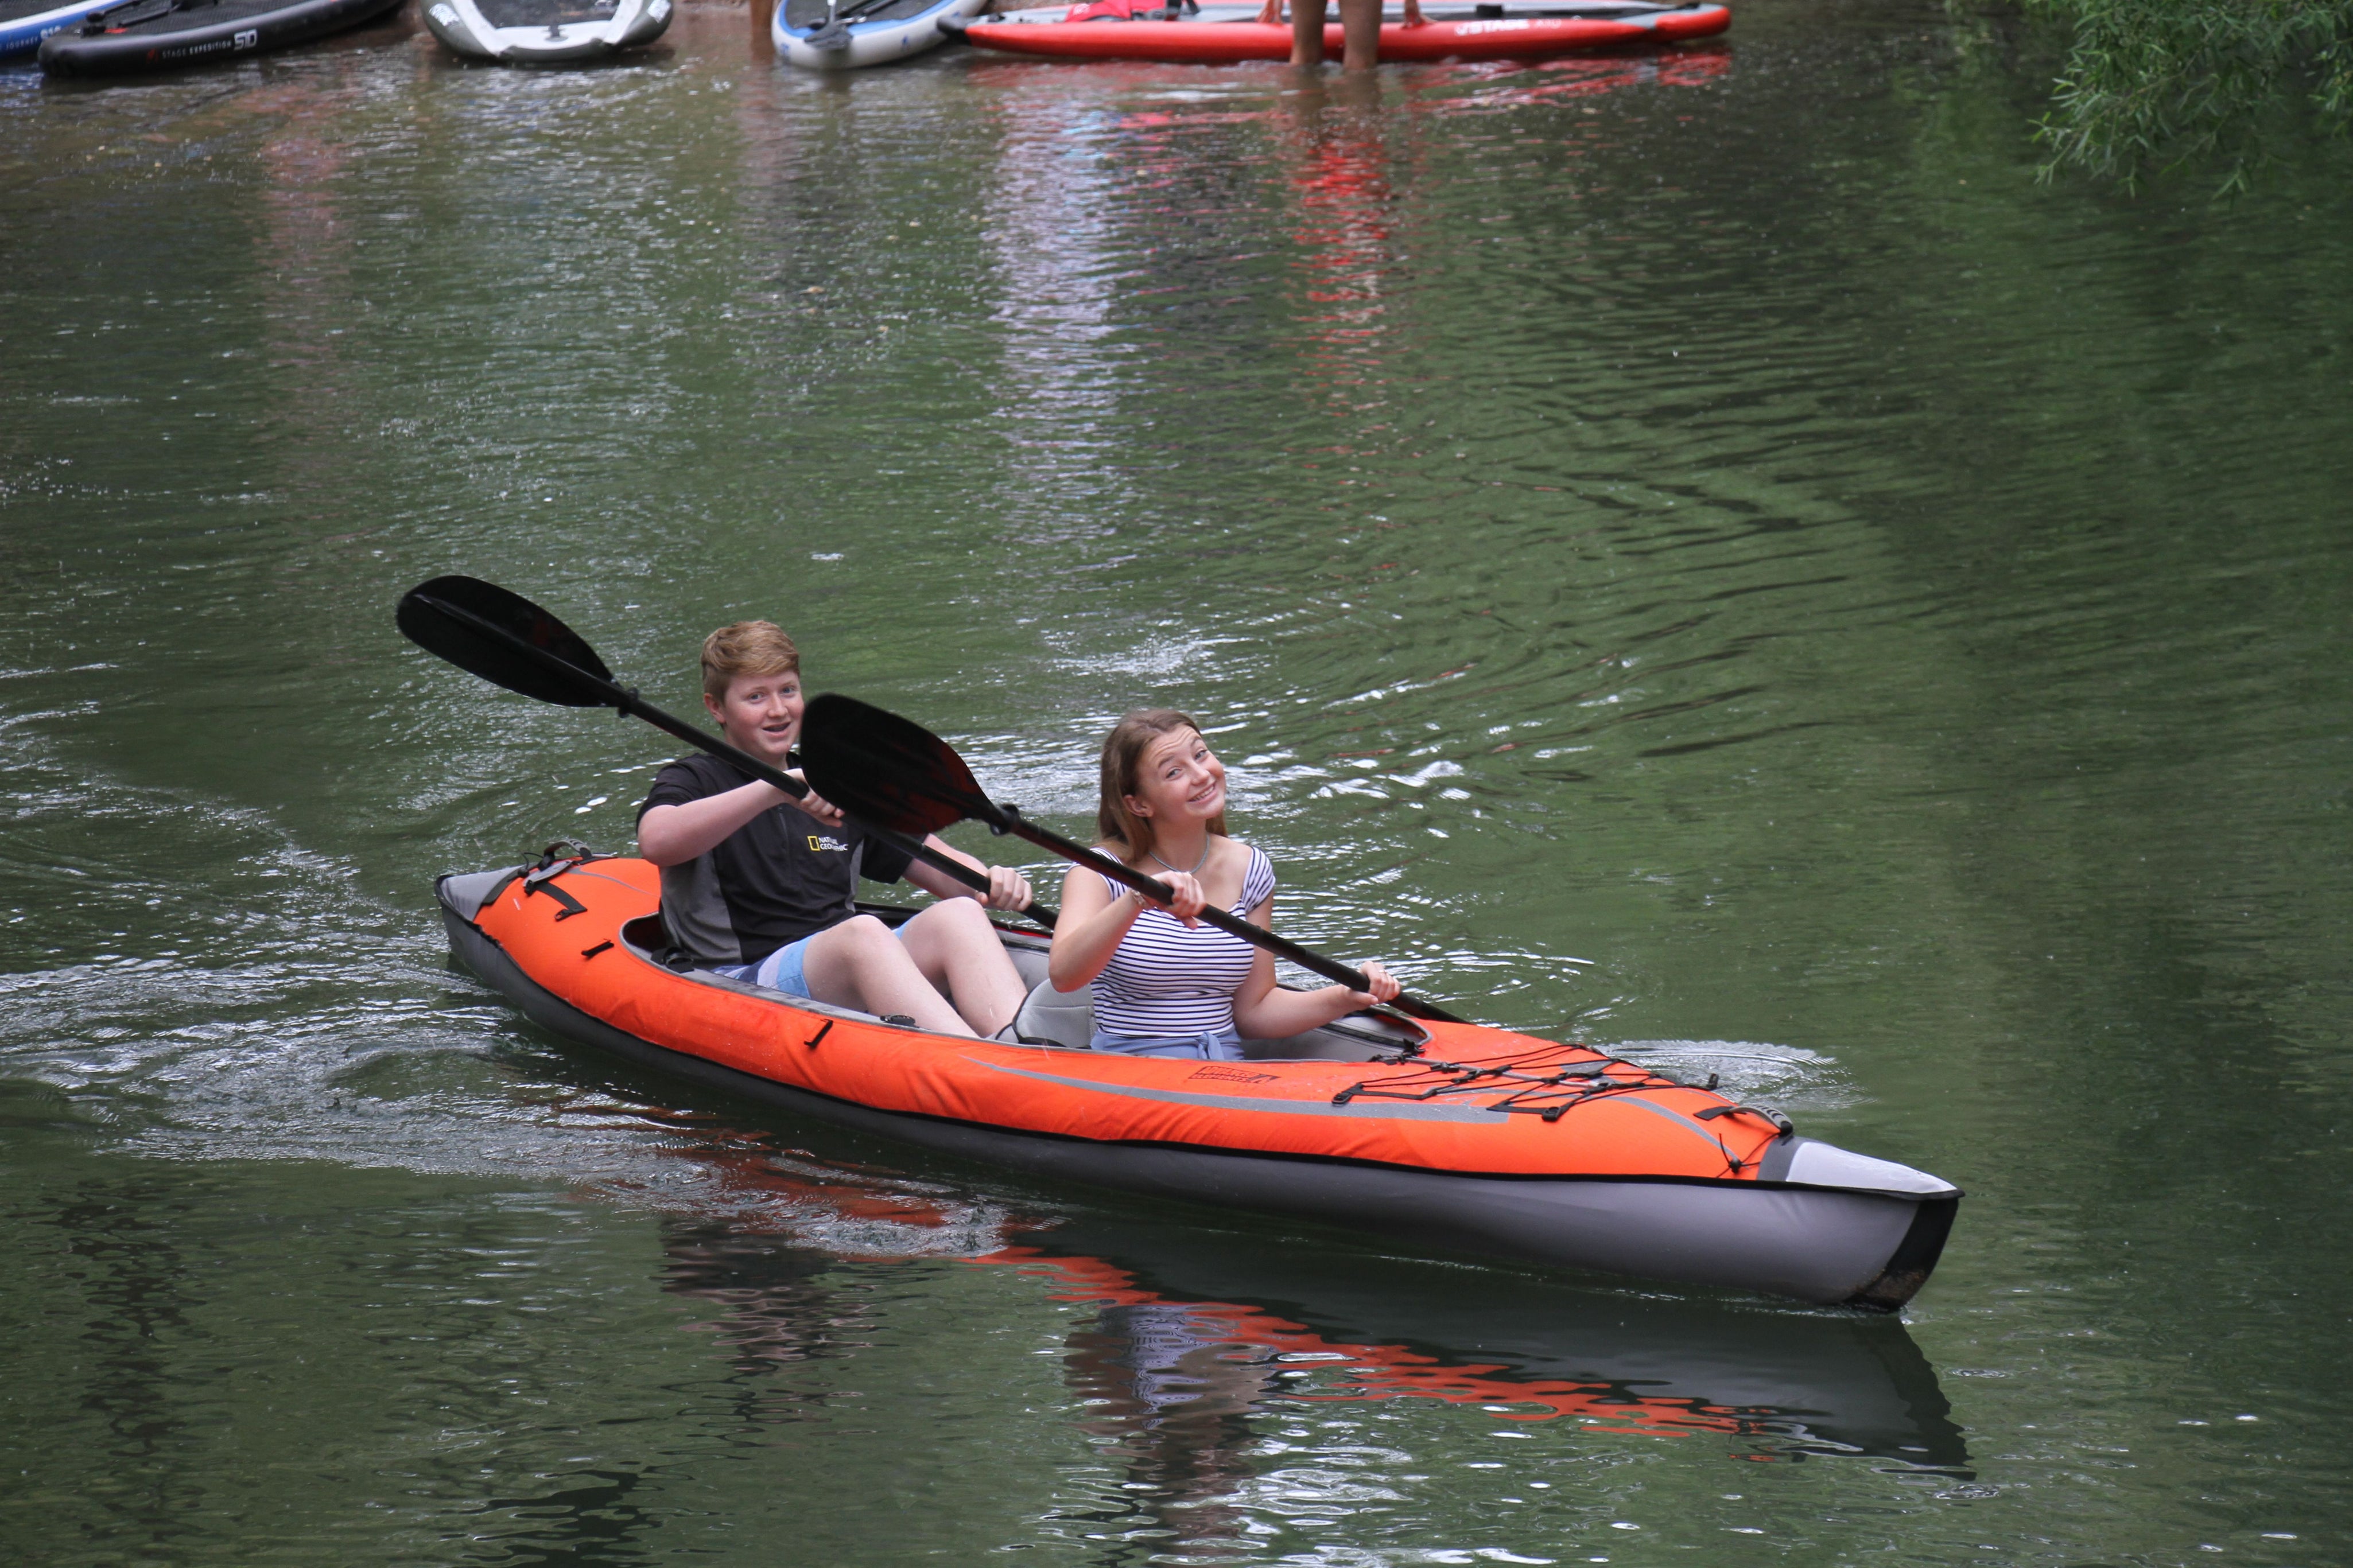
25,23
842,35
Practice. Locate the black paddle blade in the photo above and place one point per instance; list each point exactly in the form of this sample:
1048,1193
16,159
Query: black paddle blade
888,770
424,618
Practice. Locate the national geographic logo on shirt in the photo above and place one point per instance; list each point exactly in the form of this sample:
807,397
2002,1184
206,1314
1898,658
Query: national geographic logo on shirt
821,842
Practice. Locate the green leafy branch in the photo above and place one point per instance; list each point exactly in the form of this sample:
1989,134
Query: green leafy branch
2158,83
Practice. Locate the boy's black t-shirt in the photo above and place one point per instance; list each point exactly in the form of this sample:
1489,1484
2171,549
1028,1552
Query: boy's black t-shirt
775,880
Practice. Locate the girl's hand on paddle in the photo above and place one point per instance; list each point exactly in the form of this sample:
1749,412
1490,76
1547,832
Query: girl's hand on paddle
1190,900
1008,889
1384,987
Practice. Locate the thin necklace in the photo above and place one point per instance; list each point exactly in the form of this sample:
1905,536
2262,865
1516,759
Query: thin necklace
1206,842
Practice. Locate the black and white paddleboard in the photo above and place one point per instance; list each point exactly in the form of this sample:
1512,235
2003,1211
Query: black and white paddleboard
546,31
139,35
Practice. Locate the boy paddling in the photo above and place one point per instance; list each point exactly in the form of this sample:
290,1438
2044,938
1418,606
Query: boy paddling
759,886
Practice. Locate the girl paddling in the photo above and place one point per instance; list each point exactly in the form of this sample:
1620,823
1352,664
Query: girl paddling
1167,984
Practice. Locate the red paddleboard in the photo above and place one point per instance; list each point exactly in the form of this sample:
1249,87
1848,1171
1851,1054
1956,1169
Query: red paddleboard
1228,34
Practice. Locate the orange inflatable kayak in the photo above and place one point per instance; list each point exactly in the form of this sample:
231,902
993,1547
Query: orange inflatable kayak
1455,1136
1228,34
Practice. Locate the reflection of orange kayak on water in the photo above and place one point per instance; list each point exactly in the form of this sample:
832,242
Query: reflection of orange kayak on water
1524,1355
1349,1370
1192,1322
1219,33
1446,1134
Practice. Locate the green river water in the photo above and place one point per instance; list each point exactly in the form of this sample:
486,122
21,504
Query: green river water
1700,551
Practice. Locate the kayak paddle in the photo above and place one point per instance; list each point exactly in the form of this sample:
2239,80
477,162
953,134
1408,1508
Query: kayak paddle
891,770
509,641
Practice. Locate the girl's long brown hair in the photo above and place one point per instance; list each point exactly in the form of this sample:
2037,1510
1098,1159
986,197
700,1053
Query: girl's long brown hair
1122,753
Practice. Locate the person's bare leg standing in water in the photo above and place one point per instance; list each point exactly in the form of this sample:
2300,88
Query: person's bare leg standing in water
1360,28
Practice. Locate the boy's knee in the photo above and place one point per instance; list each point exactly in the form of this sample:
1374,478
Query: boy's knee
868,933
966,913
959,920
969,926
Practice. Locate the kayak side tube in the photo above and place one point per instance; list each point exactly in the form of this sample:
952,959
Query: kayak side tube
1838,1243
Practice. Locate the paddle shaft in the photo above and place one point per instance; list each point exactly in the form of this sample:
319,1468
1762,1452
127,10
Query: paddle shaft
1002,820
628,701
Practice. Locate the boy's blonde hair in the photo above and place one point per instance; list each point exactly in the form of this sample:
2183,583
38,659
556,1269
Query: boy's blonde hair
747,648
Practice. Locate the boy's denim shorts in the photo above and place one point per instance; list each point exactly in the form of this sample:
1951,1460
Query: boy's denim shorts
781,970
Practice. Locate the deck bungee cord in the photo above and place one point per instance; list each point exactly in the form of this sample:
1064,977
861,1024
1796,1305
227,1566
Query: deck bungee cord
1551,1095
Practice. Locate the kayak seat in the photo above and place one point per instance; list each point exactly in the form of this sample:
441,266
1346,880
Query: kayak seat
1052,1018
1339,1042
1028,960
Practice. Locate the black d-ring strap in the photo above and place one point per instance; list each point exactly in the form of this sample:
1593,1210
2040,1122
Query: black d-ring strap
540,879
572,906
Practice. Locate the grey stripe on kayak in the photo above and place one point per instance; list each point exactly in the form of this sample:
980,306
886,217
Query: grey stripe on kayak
1392,1112
1701,1128
1254,1102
